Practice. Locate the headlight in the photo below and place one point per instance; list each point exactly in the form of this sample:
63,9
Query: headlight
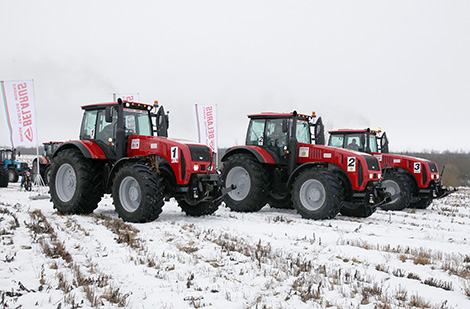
196,167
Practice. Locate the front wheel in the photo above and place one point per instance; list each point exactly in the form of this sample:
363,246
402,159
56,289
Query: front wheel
317,194
138,193
250,182
399,188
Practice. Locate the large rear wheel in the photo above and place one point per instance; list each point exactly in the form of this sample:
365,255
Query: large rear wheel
3,176
317,194
138,193
399,187
250,181
76,183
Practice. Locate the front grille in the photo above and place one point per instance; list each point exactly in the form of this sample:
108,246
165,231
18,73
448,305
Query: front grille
200,153
432,167
372,163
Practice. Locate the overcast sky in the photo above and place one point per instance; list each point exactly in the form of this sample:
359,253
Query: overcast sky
401,65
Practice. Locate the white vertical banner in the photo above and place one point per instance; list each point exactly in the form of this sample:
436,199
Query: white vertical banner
130,97
206,116
20,111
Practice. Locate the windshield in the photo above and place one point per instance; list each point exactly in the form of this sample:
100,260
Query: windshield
137,122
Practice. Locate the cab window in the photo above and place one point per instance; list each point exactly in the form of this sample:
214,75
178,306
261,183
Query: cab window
336,140
353,142
255,134
88,125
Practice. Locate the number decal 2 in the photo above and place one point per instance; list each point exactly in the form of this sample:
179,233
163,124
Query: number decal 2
417,168
352,164
174,155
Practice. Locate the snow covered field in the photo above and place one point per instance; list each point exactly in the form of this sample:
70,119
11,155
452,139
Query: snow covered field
269,259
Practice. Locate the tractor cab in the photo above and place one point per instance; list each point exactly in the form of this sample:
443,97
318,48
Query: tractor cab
369,141
272,131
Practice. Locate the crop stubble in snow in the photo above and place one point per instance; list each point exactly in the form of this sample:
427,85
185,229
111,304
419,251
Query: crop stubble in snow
272,258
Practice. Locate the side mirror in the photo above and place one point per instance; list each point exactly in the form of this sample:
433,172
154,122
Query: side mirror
384,144
319,132
108,114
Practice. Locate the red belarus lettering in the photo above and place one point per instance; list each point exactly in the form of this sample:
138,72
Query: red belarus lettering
26,116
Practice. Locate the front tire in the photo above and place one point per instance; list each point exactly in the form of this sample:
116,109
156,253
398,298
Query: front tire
399,187
76,184
138,193
317,194
251,183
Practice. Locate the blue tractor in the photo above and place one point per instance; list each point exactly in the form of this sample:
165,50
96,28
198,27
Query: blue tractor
14,168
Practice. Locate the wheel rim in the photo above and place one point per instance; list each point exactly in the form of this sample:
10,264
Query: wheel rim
312,194
66,182
239,177
130,194
393,188
11,176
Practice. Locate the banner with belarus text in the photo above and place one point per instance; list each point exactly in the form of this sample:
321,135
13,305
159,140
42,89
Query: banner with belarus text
206,116
20,111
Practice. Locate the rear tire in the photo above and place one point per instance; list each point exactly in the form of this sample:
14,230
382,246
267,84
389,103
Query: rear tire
317,194
47,175
3,176
13,175
200,209
397,184
248,175
138,193
362,211
76,183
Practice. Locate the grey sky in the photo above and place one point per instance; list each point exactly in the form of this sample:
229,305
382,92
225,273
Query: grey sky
401,65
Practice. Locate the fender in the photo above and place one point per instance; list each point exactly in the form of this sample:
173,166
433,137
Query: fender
303,167
88,148
259,153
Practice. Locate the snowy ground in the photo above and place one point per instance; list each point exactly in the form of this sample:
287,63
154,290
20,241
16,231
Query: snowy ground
269,259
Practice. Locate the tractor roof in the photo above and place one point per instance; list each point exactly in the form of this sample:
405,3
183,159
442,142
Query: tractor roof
272,115
135,105
351,131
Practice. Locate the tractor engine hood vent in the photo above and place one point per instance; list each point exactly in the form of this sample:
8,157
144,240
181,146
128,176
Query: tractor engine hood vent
200,153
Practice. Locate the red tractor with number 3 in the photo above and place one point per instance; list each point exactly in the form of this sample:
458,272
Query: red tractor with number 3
279,165
413,182
118,153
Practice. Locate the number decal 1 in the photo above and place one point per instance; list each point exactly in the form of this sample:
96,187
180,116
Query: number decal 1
352,164
174,155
